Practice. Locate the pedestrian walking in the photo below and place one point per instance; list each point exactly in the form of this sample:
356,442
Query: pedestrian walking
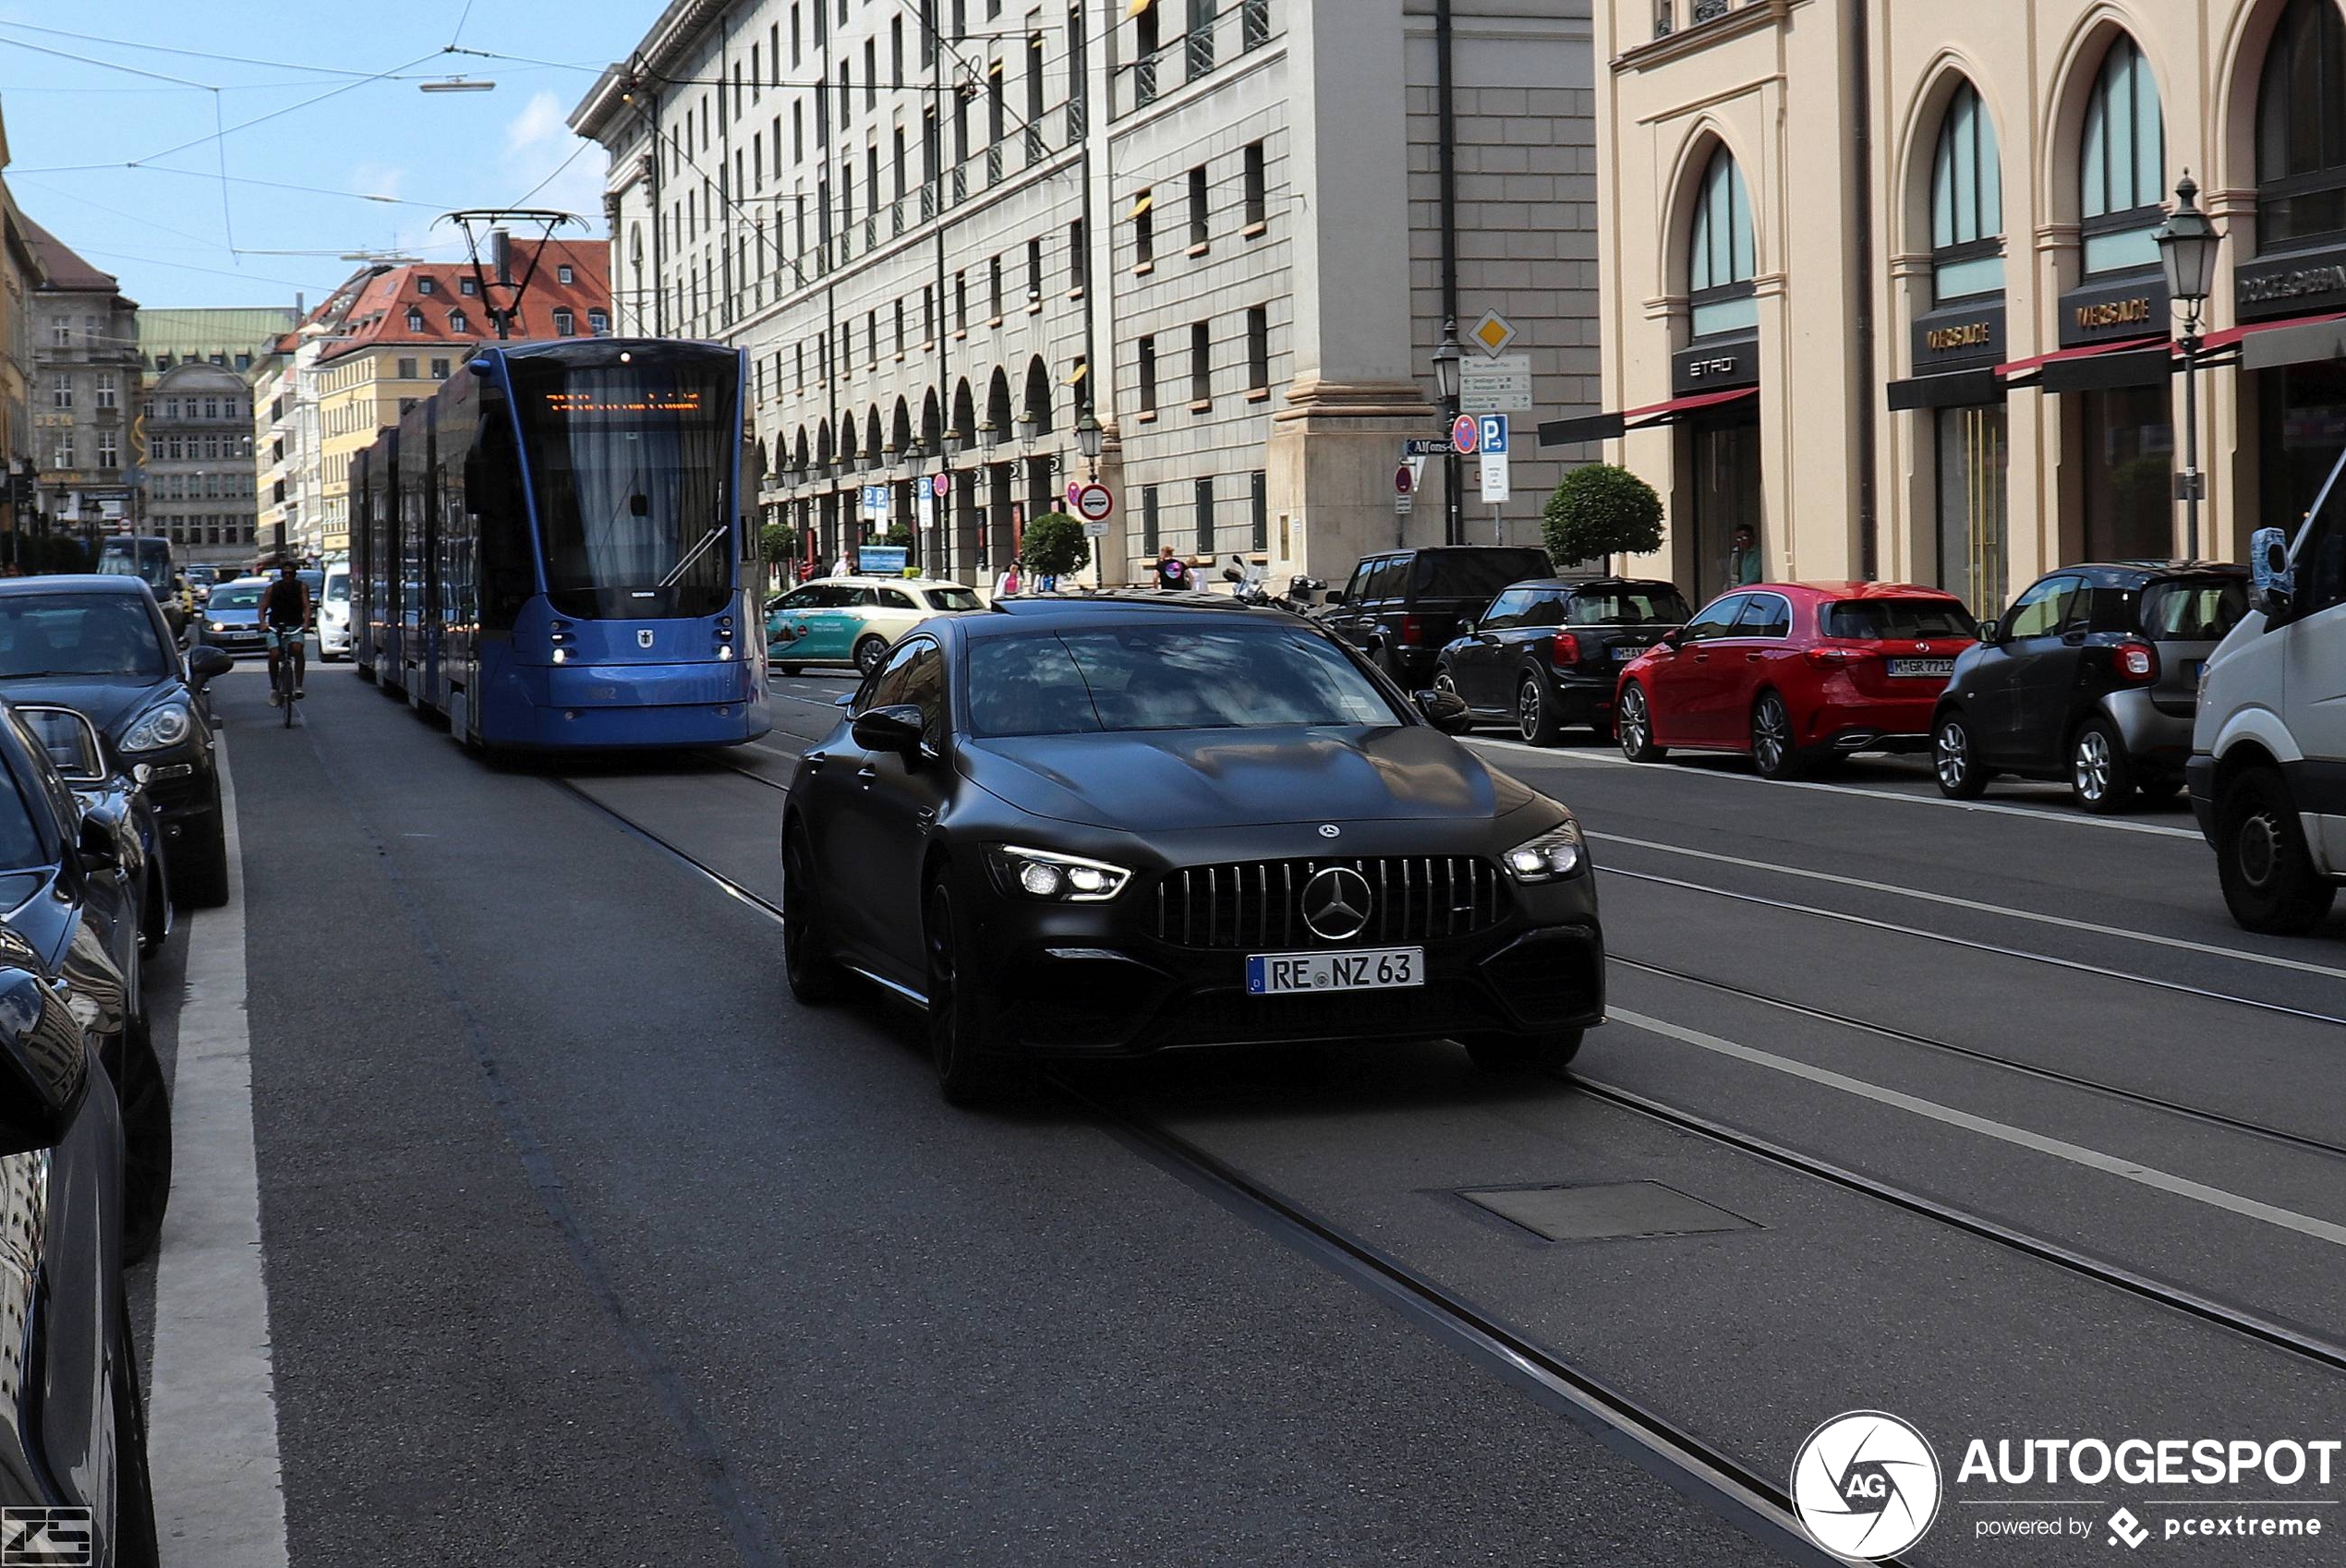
1172,572
1006,584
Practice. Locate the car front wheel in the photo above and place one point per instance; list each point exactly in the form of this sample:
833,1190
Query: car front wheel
959,1040
2100,774
815,976
1634,726
1954,760
2268,877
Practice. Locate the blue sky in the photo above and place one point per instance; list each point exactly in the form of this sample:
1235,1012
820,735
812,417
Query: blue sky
177,235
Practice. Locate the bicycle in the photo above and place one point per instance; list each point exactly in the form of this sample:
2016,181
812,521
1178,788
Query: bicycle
286,642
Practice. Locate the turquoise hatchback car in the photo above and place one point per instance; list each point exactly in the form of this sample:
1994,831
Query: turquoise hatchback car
848,623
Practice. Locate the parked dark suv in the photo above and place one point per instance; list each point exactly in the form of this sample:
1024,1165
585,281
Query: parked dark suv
2091,678
1402,606
1548,652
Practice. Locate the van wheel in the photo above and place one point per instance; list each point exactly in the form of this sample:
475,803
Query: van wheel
2268,878
2100,774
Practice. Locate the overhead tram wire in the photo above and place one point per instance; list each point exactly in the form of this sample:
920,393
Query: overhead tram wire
189,53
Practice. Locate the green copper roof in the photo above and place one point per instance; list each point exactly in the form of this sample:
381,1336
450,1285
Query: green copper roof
200,333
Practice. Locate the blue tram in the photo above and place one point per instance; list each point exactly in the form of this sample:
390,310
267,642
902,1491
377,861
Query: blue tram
550,550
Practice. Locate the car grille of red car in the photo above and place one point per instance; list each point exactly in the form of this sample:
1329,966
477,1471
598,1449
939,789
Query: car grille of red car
1257,905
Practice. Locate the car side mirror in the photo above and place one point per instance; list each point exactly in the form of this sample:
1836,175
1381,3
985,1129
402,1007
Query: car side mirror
206,662
96,845
896,729
44,1064
1446,711
2272,582
1674,639
1989,630
1468,626
1336,596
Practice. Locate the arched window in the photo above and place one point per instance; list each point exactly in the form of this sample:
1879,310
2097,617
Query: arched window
2122,175
1719,264
2301,128
1966,203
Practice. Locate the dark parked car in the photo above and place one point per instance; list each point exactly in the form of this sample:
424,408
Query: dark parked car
75,1443
1104,826
2092,678
1402,606
1547,654
83,899
100,647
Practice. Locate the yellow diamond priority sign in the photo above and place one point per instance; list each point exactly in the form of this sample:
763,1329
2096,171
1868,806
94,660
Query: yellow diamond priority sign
1493,333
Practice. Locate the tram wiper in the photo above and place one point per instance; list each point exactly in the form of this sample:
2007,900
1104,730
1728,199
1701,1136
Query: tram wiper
692,555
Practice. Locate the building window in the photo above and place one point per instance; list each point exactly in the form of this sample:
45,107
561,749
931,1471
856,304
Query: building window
212,408
1201,363
1720,261
1144,224
564,274
2122,171
415,320
62,327
1033,272
1966,203
1148,520
109,456
1205,516
64,451
1200,213
1078,260
407,370
2301,128
994,288
469,286
1148,375
439,369
1261,497
1257,194
599,323
61,390
425,285
105,389
565,324
456,322
1258,347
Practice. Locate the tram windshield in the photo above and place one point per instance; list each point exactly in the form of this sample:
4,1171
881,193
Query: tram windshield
632,469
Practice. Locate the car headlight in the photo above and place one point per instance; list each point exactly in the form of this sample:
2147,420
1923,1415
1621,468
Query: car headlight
220,626
166,726
1554,854
1055,879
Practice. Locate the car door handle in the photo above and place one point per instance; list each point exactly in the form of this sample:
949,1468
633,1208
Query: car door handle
1701,657
2074,639
926,817
815,760
866,775
1751,658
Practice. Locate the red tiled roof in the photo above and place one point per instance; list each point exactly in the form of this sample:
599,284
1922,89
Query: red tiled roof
60,266
381,316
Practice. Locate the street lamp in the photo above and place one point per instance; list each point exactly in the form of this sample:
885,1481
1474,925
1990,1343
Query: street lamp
1088,439
1449,361
2187,243
1028,426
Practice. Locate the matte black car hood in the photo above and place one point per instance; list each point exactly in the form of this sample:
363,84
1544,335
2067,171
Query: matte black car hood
1171,781
105,700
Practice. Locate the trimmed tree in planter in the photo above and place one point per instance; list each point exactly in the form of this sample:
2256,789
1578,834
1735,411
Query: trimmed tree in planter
777,548
1055,546
1601,509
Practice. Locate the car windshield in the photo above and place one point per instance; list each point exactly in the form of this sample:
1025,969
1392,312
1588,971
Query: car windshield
1163,677
338,588
1635,605
1473,573
2194,610
1898,618
237,596
80,634
954,598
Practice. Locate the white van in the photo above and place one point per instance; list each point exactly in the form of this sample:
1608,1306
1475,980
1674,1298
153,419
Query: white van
2268,770
333,613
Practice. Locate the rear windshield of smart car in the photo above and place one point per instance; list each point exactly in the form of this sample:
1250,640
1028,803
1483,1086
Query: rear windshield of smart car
1164,676
2194,610
1473,573
1628,607
1897,618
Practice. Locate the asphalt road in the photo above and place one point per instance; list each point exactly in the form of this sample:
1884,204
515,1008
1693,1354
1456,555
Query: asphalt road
584,1245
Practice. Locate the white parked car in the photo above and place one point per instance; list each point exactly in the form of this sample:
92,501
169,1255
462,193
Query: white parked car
333,613
2268,770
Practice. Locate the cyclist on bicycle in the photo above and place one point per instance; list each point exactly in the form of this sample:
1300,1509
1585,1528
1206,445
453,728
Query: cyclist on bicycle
285,612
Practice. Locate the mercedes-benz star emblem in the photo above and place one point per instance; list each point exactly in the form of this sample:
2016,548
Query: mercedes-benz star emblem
1336,902
1330,830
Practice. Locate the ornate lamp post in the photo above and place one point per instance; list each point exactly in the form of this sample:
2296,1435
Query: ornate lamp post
1448,361
2187,243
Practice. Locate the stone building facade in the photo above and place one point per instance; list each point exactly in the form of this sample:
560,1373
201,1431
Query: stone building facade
85,385
947,240
198,477
1882,280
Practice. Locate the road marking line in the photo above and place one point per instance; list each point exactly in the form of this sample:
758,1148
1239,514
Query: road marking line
2059,1149
2076,819
219,1484
2179,942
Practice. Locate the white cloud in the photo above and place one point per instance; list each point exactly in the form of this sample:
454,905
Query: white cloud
536,145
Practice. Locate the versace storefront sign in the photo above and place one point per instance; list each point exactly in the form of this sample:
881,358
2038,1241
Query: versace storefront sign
1959,336
2135,306
2302,283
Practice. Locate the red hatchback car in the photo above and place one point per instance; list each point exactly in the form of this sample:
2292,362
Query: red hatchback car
1793,672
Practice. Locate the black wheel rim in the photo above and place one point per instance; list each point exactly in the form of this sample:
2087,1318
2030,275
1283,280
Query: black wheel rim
1633,721
944,1035
798,918
1527,710
868,658
1768,735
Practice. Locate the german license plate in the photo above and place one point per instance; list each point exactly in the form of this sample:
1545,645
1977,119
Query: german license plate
1367,969
1941,668
1622,651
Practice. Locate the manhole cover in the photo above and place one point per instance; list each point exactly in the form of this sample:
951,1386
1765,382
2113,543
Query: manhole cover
1612,1211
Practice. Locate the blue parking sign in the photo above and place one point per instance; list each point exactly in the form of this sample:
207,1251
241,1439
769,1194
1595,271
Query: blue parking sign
1493,433
876,498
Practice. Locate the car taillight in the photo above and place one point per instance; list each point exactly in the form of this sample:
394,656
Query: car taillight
2137,663
1567,649
1830,656
1412,631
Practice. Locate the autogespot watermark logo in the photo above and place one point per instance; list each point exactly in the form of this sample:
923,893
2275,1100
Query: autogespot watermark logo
1866,1486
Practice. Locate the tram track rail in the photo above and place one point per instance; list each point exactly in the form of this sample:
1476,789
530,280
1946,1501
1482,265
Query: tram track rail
1682,1457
